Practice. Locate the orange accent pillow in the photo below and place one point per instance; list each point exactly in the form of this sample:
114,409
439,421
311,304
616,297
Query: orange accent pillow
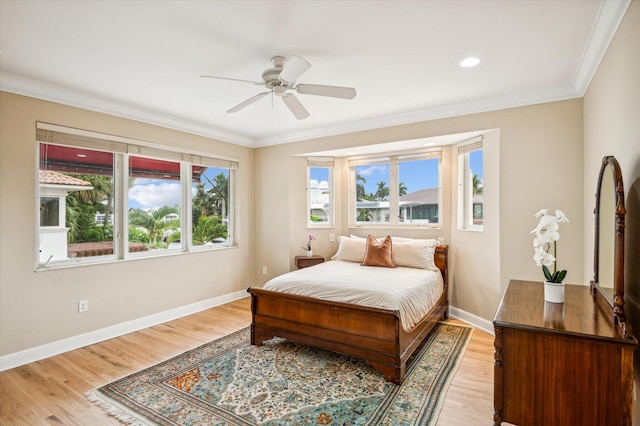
378,253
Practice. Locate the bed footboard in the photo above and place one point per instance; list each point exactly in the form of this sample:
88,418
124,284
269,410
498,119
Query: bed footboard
372,334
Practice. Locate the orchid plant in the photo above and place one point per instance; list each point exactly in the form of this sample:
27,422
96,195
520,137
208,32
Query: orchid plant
546,236
310,237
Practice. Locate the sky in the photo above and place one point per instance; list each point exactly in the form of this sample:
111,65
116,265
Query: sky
413,174
149,194
154,193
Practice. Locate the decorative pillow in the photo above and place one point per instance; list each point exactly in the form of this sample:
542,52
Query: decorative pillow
415,254
378,253
350,249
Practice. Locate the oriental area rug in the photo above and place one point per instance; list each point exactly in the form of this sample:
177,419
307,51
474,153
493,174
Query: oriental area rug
230,382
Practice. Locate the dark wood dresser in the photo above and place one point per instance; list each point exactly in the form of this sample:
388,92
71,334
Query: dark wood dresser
560,364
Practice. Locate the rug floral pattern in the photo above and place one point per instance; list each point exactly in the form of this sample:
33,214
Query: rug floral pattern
230,382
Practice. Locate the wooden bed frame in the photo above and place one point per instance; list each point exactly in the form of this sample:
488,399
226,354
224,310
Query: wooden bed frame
374,334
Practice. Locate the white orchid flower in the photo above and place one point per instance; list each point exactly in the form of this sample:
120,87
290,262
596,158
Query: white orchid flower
542,212
561,217
546,235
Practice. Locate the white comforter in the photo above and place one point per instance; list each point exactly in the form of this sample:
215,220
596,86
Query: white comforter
411,291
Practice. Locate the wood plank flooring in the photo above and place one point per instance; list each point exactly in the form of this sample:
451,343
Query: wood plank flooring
51,391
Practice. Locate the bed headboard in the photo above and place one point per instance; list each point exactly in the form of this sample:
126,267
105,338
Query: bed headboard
442,261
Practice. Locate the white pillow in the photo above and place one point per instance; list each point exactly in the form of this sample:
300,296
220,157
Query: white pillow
414,254
350,249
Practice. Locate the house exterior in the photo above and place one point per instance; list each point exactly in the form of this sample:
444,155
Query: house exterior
54,188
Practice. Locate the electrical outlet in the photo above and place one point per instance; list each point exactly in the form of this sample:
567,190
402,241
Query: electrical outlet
332,238
83,305
264,270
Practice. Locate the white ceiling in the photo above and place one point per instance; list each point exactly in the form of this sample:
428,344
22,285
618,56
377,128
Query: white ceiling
142,59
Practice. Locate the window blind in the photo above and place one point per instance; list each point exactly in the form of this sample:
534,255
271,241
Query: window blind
474,144
320,161
51,133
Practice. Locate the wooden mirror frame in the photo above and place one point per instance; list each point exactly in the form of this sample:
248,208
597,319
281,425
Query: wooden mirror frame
610,165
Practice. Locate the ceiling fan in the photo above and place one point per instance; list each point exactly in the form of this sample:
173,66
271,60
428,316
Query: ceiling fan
281,79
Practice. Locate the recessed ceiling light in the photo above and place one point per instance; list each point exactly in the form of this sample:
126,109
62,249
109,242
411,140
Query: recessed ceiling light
469,62
81,155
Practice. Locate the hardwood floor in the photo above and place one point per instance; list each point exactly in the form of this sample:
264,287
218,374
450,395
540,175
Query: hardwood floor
51,391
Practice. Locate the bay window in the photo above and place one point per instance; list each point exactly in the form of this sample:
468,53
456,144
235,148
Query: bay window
470,185
320,192
401,189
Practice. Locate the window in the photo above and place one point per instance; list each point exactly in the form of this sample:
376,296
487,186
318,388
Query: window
320,192
398,190
470,185
210,205
105,198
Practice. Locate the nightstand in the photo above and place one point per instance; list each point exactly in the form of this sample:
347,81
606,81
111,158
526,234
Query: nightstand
305,262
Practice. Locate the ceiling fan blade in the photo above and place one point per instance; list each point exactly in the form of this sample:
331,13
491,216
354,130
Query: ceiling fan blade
257,83
295,106
330,91
248,102
293,69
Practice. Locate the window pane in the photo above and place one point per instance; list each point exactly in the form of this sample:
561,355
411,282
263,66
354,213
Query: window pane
49,211
477,184
372,193
319,195
419,191
154,204
209,205
76,187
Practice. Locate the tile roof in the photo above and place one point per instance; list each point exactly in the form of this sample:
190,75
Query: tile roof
55,178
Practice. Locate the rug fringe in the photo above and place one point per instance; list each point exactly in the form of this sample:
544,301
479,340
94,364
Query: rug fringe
114,410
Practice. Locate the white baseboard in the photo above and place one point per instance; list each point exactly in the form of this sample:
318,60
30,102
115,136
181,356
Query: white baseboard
50,349
26,356
471,319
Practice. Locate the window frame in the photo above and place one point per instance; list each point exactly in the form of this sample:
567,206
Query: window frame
122,148
465,184
328,163
393,159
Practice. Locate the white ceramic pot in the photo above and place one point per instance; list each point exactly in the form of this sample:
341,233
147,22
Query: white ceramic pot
309,253
553,292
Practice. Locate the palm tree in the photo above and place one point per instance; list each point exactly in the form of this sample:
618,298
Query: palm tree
382,192
360,186
216,199
155,223
477,185
207,229
102,191
402,189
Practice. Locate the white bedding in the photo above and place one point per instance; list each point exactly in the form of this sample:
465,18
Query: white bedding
411,291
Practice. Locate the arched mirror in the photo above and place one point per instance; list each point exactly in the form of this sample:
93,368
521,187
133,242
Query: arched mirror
608,265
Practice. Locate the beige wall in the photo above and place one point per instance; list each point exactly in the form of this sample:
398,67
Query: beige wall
37,308
535,161
612,127
535,158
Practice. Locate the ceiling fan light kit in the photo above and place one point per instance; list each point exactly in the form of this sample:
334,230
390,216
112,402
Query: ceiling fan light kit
281,78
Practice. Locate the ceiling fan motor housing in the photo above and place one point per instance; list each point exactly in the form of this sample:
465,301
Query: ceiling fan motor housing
270,76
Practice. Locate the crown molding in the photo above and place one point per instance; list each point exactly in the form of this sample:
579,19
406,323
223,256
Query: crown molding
454,110
607,22
609,18
23,86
